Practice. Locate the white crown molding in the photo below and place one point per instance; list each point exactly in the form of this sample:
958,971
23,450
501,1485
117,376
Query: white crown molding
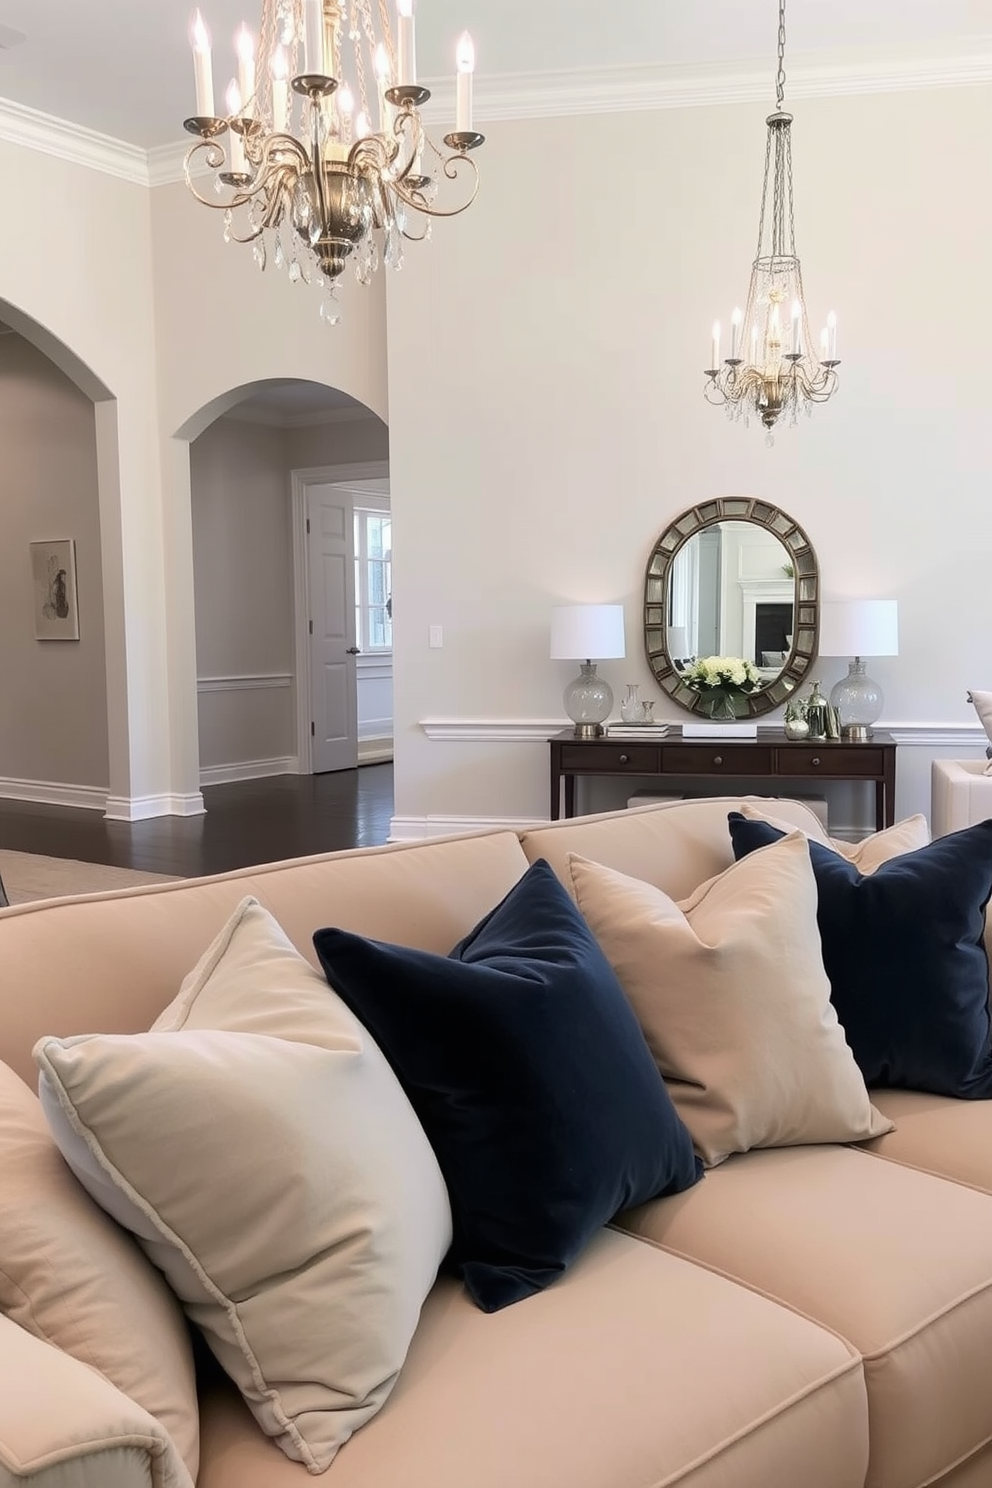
43,132
507,96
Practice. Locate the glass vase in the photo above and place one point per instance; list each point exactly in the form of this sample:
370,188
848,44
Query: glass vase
631,710
719,706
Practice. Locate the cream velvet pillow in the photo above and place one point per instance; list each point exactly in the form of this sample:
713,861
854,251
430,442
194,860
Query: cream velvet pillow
259,1145
904,836
730,992
70,1276
982,703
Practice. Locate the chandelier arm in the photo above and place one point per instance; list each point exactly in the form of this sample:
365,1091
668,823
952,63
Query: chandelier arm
451,168
214,158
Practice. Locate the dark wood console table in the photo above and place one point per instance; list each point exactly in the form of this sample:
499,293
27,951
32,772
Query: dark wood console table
769,757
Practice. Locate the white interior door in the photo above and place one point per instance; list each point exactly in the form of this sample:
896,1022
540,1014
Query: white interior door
333,681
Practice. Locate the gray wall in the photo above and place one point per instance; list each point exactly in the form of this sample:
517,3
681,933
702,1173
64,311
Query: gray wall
53,718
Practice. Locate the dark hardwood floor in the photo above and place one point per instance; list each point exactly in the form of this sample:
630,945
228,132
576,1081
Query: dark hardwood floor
252,821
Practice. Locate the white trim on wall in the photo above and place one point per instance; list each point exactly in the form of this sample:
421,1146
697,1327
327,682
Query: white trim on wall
248,770
50,793
143,808
244,684
544,95
417,828
526,730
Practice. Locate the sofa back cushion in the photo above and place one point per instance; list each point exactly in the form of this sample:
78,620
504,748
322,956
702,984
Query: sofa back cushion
110,963
675,847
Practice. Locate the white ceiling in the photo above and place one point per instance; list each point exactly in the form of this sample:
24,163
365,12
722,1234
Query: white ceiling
122,67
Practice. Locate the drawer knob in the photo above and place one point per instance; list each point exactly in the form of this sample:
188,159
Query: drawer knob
815,760
718,759
625,759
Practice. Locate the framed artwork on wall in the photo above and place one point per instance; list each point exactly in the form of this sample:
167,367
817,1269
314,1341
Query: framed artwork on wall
53,569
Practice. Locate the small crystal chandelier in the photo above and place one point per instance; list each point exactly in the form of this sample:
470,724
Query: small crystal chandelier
771,367
321,154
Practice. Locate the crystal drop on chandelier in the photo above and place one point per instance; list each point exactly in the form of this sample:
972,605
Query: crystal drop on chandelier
323,141
773,367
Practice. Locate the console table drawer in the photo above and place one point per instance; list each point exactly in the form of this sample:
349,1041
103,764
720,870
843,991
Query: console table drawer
847,761
610,759
716,759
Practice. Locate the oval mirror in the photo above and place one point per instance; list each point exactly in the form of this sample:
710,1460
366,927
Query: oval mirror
734,576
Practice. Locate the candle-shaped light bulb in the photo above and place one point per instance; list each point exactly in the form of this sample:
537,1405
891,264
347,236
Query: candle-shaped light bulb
832,329
383,80
797,311
202,70
313,37
824,344
754,344
735,332
244,45
362,125
715,353
232,102
279,68
775,327
406,46
465,61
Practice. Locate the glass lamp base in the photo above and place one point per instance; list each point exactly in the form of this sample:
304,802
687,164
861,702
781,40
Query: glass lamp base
588,702
858,702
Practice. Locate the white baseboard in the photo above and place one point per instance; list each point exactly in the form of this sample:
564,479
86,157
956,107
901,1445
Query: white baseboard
248,770
420,828
51,793
143,808
375,750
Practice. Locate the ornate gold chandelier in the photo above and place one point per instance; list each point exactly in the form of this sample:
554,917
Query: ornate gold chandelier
772,368
321,155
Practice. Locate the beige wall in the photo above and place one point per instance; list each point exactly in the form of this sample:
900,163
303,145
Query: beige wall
547,417
53,722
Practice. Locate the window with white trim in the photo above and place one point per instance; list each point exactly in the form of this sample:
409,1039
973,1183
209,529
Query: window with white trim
373,581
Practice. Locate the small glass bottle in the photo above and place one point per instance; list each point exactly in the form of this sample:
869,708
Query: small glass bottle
630,709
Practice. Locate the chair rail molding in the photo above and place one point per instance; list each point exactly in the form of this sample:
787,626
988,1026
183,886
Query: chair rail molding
526,730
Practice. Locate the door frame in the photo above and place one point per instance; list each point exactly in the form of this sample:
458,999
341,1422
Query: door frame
300,481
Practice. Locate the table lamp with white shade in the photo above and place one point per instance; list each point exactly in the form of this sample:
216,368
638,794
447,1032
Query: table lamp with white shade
580,633
678,643
857,628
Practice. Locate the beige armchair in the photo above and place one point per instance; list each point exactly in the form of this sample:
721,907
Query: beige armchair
960,794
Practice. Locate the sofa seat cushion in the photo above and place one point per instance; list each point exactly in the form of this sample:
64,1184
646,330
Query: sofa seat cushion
675,846
635,1370
937,1134
896,1261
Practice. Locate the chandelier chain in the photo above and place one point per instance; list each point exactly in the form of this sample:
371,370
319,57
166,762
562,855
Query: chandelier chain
780,75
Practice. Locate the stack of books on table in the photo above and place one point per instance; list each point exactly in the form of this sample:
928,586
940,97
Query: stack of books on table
638,730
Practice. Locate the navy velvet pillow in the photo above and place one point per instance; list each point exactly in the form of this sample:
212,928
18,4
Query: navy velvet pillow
904,950
530,1075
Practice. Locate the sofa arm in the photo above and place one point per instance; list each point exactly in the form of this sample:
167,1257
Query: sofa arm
960,795
63,1425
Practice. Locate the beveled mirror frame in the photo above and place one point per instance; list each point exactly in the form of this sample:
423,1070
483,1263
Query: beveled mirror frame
806,599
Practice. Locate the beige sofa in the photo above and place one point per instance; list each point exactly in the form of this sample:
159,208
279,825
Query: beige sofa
816,1315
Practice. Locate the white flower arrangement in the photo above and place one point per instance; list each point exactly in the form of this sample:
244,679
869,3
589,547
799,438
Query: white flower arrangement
731,673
